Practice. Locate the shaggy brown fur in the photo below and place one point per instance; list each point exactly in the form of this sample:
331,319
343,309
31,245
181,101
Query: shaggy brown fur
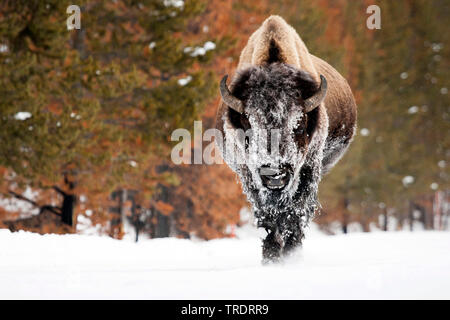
337,113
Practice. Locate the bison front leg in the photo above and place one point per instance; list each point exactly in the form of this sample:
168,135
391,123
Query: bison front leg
294,241
282,240
272,247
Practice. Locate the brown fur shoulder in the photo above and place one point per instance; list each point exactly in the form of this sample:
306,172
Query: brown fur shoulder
276,34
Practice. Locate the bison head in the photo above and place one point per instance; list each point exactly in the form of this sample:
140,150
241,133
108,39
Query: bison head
276,106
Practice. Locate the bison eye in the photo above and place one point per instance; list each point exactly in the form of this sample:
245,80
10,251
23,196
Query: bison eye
306,127
238,120
300,127
301,132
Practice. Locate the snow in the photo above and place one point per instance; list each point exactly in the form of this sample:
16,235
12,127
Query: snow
407,180
209,45
133,163
22,115
364,132
184,81
13,204
3,48
200,51
393,265
436,47
174,3
413,109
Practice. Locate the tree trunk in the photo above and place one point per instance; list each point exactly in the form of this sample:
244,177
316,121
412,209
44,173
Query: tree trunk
69,202
411,216
344,228
385,221
163,226
67,209
345,216
116,222
364,220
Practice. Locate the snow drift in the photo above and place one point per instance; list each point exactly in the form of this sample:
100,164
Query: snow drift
396,265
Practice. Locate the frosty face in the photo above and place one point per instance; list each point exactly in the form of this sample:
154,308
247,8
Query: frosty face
273,134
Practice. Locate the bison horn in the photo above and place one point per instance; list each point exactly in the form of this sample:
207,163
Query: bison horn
313,102
230,100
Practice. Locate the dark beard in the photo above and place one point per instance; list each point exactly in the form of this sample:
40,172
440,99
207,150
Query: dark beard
277,206
285,218
288,217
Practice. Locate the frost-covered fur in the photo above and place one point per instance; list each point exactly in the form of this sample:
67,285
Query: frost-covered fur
273,96
275,74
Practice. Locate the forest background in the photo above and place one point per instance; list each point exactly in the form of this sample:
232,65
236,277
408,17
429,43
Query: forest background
86,115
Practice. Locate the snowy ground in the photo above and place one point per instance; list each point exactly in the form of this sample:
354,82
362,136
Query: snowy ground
377,265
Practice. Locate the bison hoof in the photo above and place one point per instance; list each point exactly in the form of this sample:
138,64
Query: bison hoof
274,248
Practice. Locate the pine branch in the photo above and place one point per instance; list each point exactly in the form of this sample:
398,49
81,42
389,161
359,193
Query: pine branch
60,191
52,209
19,196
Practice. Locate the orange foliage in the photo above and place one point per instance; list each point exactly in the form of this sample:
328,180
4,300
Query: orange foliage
163,207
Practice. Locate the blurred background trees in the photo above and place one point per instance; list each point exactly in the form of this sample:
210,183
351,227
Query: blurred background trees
86,115
89,111
399,156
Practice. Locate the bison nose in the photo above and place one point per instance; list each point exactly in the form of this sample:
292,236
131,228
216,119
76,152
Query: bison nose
274,177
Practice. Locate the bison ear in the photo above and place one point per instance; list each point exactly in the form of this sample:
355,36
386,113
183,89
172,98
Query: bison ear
316,99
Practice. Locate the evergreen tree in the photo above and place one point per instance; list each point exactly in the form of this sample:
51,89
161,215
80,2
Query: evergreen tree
85,111
402,109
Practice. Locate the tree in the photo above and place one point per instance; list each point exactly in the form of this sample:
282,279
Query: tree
85,111
402,108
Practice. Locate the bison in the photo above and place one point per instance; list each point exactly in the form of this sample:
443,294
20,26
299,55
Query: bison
281,93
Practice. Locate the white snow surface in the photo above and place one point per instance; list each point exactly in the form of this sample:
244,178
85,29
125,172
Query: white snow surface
22,115
377,265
